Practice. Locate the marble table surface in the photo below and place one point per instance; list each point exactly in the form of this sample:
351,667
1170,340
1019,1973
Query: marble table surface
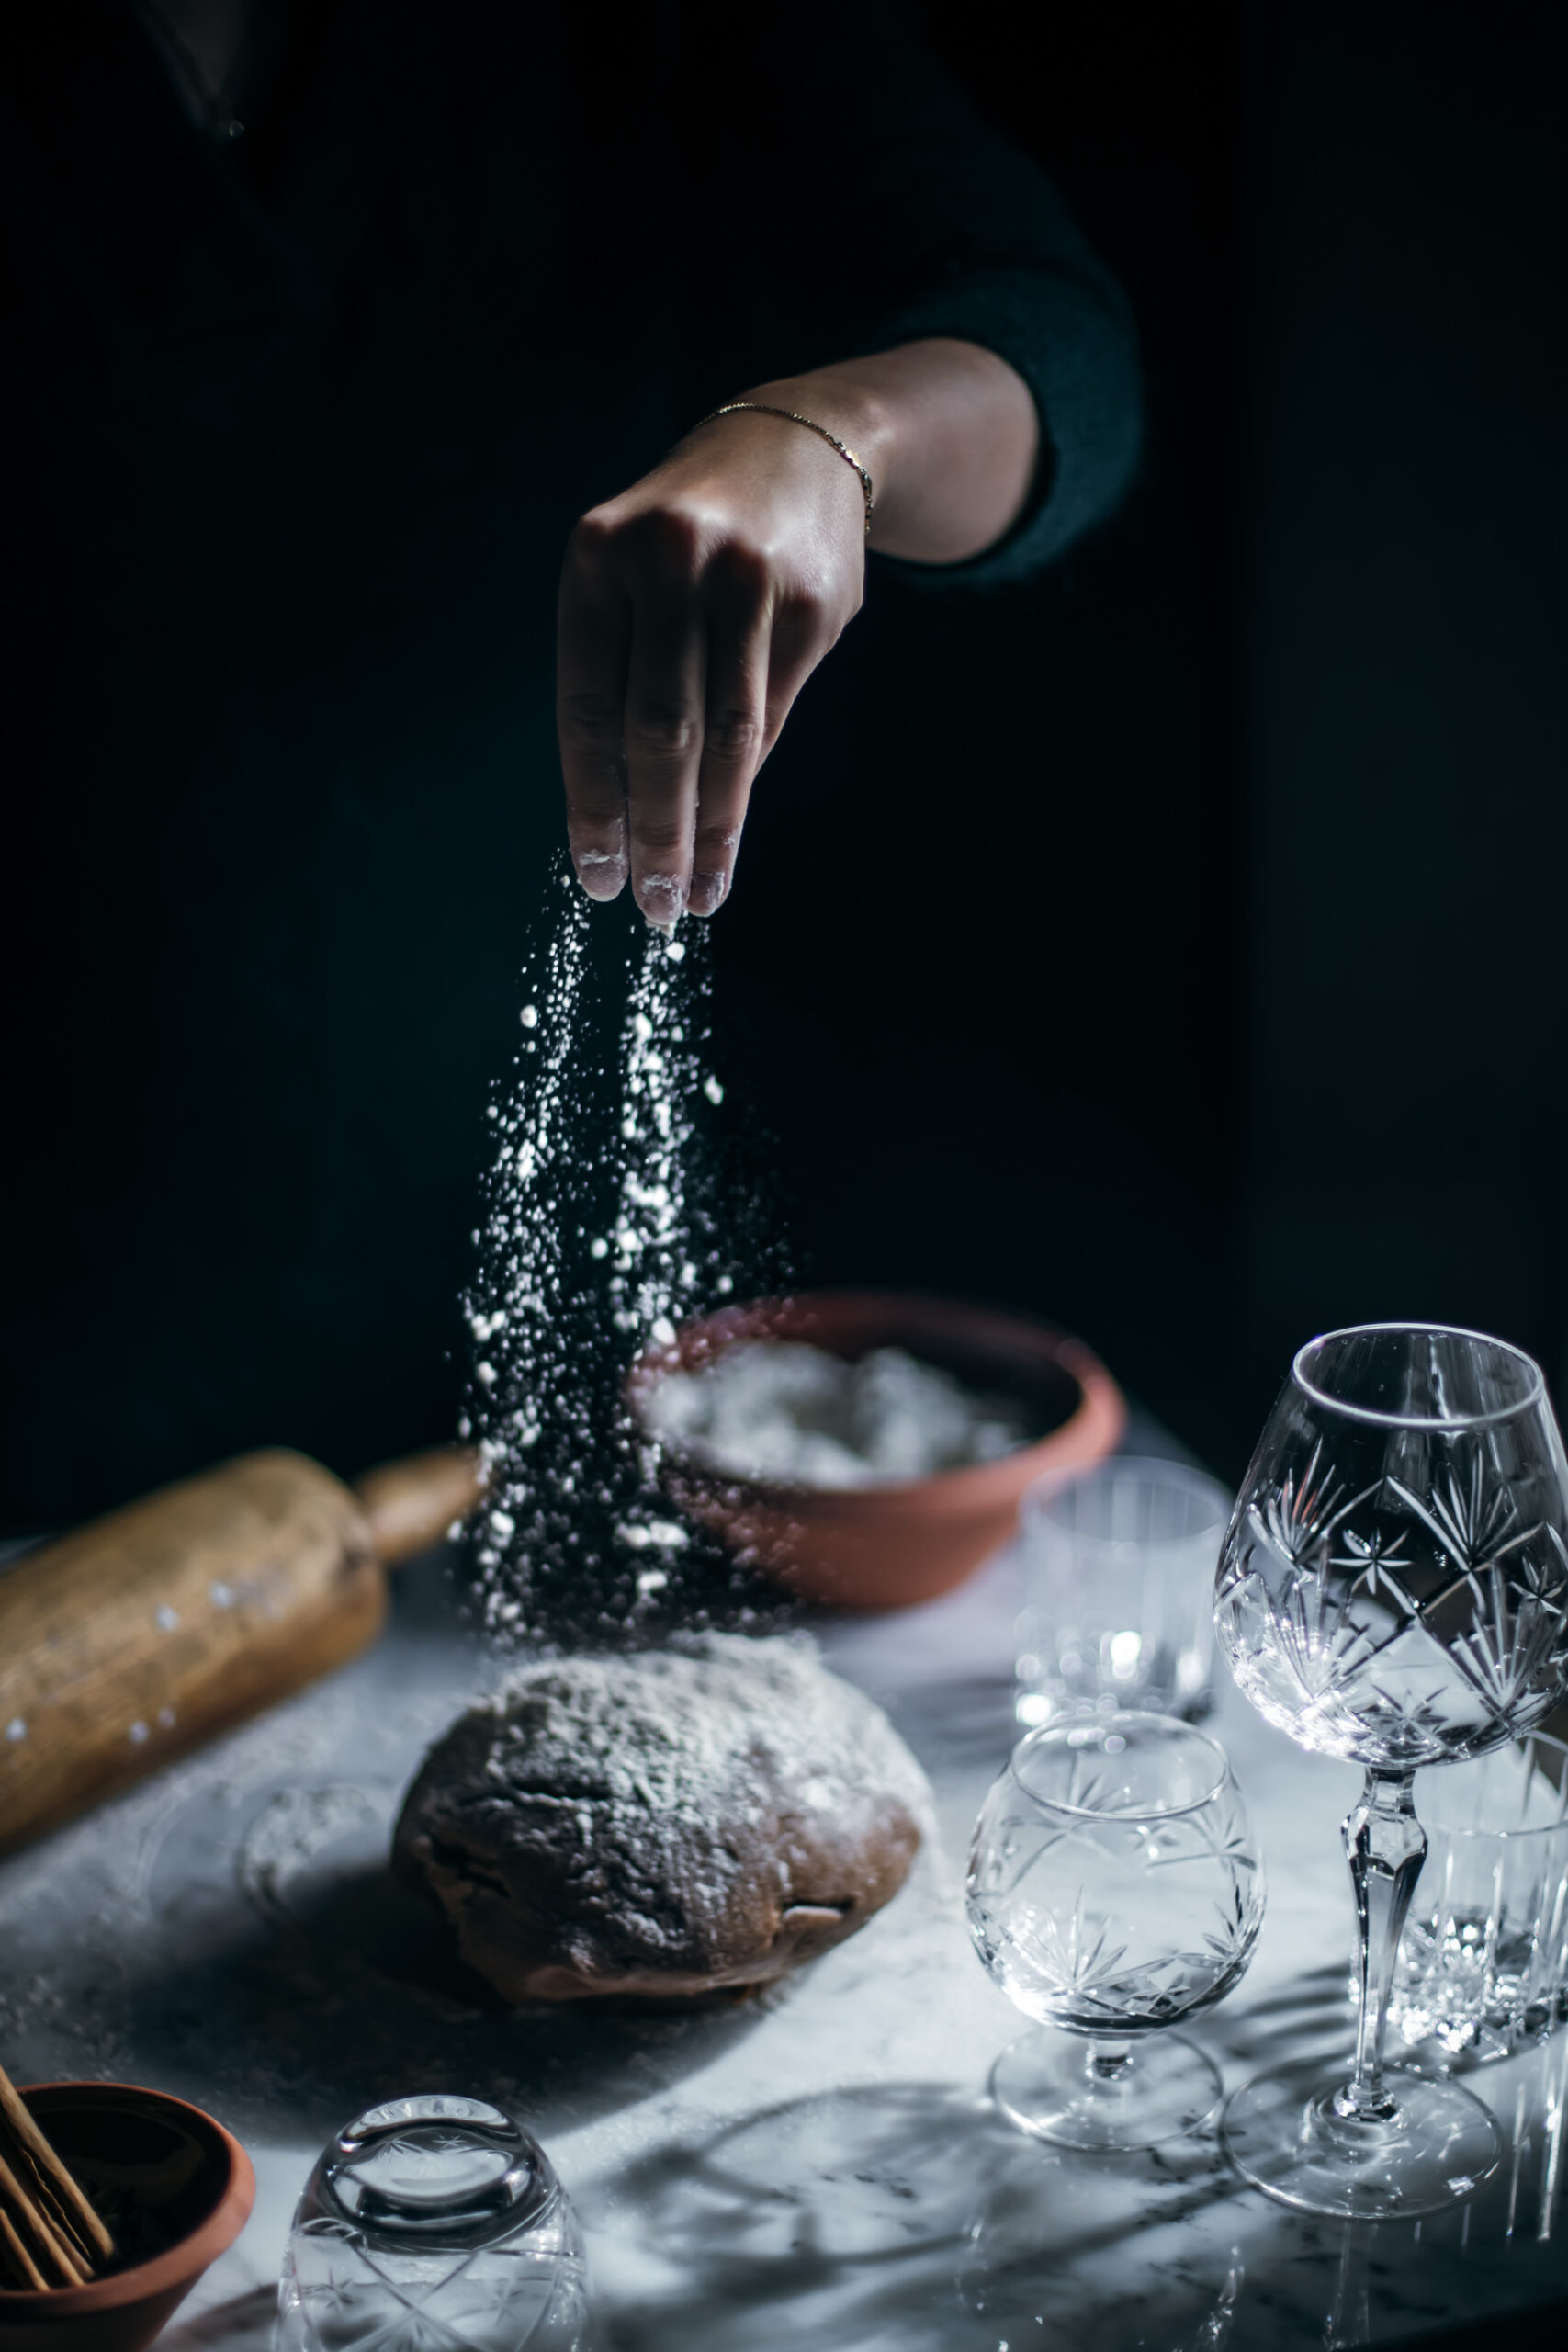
823,2166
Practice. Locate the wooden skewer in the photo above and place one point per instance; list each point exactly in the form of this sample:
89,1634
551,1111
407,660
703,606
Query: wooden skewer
53,2212
80,2216
17,2254
36,2232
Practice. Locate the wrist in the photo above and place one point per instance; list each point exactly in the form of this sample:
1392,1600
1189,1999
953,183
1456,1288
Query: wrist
947,430
856,414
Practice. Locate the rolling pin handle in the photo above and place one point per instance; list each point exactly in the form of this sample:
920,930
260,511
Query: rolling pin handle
410,1504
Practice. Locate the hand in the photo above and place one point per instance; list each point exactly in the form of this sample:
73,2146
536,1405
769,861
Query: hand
694,607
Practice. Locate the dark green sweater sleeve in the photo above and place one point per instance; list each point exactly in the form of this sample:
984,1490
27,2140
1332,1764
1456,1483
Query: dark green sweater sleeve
869,205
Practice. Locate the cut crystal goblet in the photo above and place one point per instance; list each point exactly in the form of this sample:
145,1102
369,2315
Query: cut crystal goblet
1392,1589
1113,1888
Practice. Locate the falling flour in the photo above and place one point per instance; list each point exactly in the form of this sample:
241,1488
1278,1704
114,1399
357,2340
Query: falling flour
599,1239
786,1411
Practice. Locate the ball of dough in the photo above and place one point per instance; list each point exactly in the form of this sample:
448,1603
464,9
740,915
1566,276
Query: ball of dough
672,1824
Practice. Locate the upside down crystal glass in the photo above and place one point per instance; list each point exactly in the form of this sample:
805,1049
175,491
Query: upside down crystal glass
1392,1589
433,2223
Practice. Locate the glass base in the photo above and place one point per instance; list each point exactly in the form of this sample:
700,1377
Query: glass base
1281,2133
1052,2085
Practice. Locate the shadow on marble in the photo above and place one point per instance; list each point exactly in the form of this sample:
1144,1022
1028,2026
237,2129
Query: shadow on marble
268,1964
1309,2015
330,2024
244,2324
906,2214
1100,2249
966,1725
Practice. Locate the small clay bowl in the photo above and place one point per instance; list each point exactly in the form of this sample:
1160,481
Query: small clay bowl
177,2190
888,1546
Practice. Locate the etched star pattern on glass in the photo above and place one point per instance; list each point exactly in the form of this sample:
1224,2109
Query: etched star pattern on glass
1393,1626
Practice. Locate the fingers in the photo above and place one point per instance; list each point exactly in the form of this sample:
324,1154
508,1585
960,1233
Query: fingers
593,641
754,674
681,653
666,680
735,730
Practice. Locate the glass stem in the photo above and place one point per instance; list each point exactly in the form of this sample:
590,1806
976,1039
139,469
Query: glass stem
1107,2062
1385,1847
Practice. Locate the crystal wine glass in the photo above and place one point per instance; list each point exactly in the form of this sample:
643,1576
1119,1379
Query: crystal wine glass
1392,1589
1114,1887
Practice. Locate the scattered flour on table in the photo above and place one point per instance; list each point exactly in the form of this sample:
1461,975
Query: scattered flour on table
789,1412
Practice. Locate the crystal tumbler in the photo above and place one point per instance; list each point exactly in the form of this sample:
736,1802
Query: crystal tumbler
434,2221
1483,1965
1120,1569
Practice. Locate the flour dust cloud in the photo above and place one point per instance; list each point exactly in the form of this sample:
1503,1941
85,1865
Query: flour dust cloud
602,1232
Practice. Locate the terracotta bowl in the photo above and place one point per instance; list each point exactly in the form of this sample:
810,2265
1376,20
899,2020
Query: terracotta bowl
888,1546
180,2182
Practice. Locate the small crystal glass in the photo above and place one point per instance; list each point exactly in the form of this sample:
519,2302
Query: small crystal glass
435,2222
1483,1964
1113,1888
1119,1607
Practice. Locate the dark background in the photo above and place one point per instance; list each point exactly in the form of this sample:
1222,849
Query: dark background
1186,959
1172,947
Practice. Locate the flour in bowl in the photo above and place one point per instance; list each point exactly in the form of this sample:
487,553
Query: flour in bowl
783,1410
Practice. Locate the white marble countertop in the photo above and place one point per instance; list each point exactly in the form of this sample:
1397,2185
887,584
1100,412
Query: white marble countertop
823,2166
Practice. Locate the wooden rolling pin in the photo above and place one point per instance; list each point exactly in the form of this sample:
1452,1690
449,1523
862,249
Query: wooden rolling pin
152,1629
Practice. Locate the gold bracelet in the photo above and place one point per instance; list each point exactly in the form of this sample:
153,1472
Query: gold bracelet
761,408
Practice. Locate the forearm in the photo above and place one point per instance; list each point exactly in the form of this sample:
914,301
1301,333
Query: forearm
947,431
